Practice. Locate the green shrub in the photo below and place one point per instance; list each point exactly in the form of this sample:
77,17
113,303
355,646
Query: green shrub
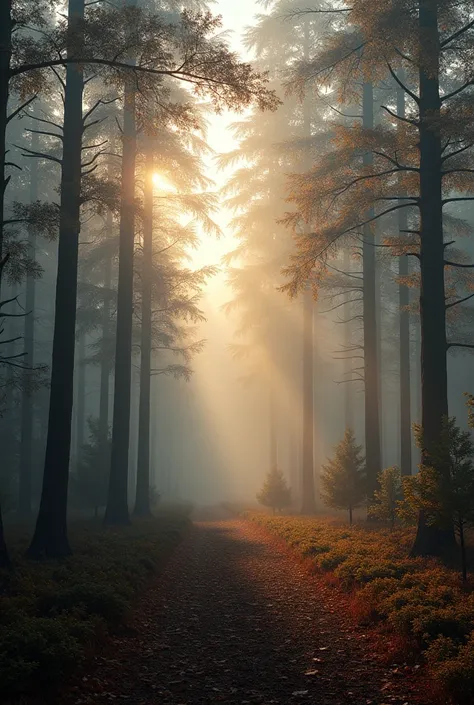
89,598
36,649
52,614
419,599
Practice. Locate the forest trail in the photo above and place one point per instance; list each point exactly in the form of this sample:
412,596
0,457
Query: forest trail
236,619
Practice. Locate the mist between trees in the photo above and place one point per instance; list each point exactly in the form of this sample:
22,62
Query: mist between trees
348,288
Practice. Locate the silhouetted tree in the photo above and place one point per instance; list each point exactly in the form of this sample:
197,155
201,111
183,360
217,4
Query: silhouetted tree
275,492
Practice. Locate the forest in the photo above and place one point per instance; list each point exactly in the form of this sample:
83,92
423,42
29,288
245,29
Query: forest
236,337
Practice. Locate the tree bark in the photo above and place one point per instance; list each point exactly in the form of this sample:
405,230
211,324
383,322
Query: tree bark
81,395
105,362
348,391
5,59
27,410
404,331
6,29
463,552
117,500
431,540
50,539
371,374
142,497
308,505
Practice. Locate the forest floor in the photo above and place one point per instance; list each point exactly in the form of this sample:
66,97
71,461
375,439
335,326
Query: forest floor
236,618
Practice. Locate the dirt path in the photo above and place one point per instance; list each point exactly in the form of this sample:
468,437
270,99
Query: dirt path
236,619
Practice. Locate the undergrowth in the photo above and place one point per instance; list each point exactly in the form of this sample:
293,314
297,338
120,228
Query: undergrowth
53,614
417,599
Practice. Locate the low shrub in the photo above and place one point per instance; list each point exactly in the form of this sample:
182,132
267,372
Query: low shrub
53,613
418,599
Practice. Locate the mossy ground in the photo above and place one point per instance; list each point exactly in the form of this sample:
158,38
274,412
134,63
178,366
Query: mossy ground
53,614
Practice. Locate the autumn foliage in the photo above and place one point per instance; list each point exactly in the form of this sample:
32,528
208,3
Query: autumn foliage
415,598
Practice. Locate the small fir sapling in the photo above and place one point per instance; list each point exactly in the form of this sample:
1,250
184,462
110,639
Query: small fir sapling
275,492
388,496
343,478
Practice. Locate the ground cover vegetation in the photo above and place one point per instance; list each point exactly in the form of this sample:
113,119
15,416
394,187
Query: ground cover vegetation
53,615
417,598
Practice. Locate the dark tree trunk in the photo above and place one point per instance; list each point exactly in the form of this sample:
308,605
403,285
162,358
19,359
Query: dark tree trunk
463,551
105,362
371,374
5,58
404,330
348,389
117,500
308,505
81,395
431,540
6,29
50,539
4,557
142,497
26,442
350,516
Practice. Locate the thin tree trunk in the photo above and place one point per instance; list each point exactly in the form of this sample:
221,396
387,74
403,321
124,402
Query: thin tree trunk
105,365
50,538
117,500
81,395
348,390
105,362
6,29
463,552
308,494
431,540
371,374
272,427
308,504
142,497
350,516
27,411
404,330
5,58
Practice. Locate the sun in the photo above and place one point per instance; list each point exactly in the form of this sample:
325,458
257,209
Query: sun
161,182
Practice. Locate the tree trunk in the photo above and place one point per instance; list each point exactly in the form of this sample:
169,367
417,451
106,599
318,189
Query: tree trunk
4,557
272,427
5,58
6,29
404,330
81,395
463,552
105,362
348,390
308,495
26,442
371,374
117,500
142,497
50,539
431,540
350,516
308,504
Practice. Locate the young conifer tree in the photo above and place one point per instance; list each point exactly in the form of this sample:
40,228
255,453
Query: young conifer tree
275,492
343,478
